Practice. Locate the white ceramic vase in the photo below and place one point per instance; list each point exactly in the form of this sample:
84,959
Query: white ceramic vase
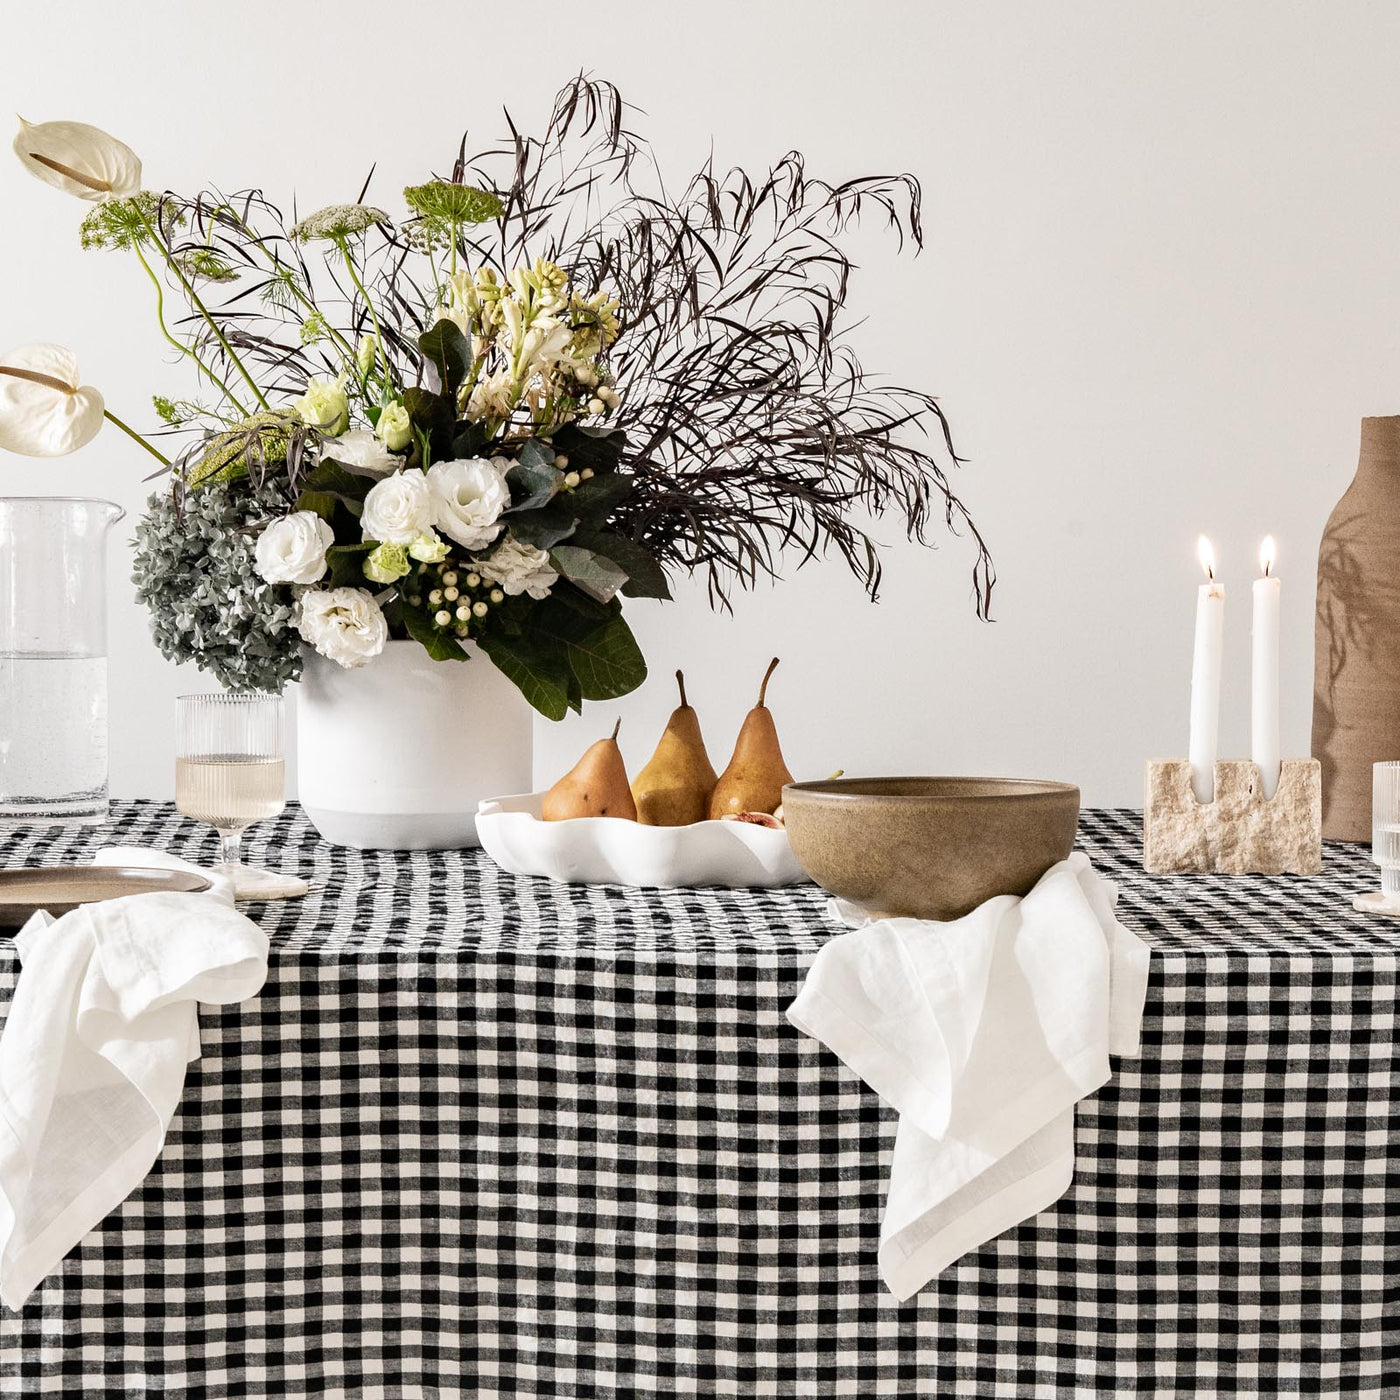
397,754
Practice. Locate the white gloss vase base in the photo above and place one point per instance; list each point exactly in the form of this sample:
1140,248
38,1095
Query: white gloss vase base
396,755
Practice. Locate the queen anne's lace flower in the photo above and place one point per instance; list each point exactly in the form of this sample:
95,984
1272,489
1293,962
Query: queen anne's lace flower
336,222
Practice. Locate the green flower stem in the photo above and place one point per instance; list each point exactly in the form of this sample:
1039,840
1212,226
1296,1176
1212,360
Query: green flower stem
173,340
276,264
136,437
379,349
188,288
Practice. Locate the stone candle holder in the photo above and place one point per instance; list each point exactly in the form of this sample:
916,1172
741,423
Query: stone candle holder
1241,832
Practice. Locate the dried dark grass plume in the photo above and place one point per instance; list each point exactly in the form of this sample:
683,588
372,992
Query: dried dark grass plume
753,431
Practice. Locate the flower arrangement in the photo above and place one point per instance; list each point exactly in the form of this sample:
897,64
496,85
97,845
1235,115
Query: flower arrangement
481,424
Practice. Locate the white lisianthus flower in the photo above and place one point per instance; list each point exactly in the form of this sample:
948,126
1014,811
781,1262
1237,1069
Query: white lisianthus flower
429,549
344,624
360,452
395,427
398,509
387,564
365,352
293,549
468,498
519,568
324,406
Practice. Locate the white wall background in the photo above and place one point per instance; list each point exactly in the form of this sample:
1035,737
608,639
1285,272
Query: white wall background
1162,285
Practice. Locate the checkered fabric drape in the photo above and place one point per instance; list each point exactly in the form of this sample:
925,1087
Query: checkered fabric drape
492,1137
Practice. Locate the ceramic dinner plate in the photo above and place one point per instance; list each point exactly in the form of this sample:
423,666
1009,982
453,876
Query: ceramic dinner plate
62,888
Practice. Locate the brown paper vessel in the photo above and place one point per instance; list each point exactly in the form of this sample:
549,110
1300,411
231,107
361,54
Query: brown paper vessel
1356,688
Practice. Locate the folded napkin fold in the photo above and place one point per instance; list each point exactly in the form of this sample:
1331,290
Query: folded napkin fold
983,1034
93,1053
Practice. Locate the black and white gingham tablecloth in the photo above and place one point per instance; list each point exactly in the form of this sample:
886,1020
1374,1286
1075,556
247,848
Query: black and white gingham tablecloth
488,1137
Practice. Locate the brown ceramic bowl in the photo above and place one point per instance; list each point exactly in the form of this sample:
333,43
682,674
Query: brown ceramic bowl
929,848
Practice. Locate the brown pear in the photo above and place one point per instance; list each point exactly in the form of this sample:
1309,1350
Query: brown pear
674,788
596,786
754,780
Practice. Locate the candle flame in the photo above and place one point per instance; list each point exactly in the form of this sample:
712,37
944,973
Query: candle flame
1266,555
1205,552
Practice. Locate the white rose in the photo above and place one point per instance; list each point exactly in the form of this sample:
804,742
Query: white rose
343,624
360,452
398,509
519,568
468,498
293,549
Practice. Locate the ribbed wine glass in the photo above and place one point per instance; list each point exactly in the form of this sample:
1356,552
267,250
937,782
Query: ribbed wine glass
230,773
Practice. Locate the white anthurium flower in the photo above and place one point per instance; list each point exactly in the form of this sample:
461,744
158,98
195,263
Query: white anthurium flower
468,498
79,159
293,548
398,510
44,409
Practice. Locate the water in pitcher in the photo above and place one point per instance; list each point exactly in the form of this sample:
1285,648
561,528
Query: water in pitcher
53,737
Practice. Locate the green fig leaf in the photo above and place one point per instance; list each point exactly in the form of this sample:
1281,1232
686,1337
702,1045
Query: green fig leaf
448,351
540,673
330,485
440,645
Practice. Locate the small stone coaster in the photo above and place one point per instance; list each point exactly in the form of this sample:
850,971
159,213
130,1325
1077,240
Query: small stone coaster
1241,832
254,884
1377,902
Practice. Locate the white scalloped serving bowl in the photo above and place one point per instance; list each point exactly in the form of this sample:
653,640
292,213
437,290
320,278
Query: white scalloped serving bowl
612,851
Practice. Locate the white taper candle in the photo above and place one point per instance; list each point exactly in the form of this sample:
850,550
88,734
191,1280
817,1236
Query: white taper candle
1264,740
1205,677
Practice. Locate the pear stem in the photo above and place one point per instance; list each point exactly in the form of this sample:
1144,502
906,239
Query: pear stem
763,689
680,681
616,727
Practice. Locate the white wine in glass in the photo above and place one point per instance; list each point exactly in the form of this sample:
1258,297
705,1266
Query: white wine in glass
229,792
230,773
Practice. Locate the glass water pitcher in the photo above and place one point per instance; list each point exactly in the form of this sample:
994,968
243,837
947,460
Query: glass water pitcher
53,658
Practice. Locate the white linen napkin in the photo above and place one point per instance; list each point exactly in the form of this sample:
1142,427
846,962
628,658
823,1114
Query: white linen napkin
983,1034
93,1054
